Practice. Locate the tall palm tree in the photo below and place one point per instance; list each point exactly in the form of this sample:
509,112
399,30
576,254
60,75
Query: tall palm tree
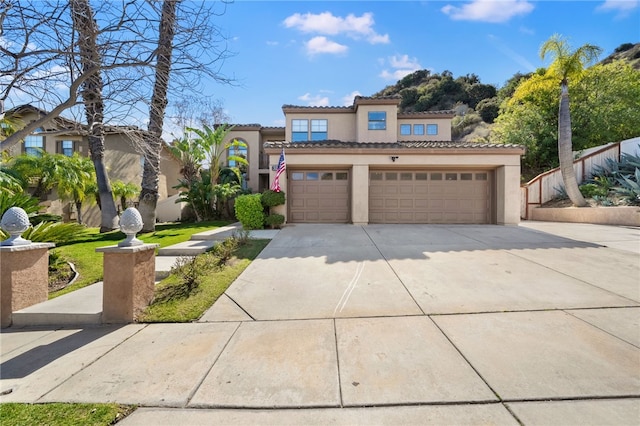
153,138
567,64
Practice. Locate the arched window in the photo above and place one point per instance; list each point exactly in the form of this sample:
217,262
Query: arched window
34,143
238,151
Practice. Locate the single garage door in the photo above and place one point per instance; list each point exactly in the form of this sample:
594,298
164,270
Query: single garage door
319,196
429,196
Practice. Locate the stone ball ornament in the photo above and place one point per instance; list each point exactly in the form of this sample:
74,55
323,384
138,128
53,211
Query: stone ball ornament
130,224
15,221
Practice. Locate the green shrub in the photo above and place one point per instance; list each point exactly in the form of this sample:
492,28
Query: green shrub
272,198
52,232
274,220
45,217
25,201
249,211
588,190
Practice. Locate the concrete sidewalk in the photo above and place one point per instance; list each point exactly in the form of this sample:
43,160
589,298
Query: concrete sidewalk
377,324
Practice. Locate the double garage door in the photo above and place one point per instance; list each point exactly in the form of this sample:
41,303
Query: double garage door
429,196
395,196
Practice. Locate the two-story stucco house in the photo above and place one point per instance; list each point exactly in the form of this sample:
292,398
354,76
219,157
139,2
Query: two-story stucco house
122,159
369,163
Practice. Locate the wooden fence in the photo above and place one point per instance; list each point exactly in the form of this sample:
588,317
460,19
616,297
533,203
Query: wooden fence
548,185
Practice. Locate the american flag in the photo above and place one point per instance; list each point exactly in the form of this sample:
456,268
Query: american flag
282,166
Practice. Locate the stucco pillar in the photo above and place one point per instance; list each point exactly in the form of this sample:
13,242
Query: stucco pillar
24,278
360,194
508,193
129,281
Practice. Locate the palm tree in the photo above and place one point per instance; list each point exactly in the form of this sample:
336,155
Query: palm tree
150,174
124,191
567,64
212,143
75,180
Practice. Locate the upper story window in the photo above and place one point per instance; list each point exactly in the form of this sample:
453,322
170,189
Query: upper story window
34,143
300,131
377,120
432,129
319,130
66,148
405,129
418,129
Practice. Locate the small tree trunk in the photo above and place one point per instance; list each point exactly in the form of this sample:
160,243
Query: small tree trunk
79,209
565,149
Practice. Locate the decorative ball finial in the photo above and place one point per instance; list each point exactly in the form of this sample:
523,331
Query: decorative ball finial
130,224
15,221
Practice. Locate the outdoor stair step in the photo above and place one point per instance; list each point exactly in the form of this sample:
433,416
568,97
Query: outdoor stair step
187,248
218,234
80,307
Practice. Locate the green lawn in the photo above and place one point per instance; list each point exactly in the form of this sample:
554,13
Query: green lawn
63,414
89,263
175,303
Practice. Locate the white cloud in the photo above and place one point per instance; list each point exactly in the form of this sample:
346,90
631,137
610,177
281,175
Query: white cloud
488,10
347,100
272,43
403,66
315,100
326,23
623,7
321,44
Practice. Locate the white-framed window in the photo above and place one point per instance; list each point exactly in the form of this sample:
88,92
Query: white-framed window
303,131
405,129
377,120
299,130
418,129
34,143
319,129
432,129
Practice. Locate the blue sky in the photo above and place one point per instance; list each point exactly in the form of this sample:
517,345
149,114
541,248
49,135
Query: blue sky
325,53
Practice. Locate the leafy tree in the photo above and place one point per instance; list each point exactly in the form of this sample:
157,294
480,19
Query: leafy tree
567,64
604,110
124,191
74,180
488,109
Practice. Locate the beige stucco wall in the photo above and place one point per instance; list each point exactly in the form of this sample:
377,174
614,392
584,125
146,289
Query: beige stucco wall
341,124
363,134
444,129
506,165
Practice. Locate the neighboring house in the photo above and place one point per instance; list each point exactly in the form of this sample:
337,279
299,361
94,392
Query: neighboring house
368,163
122,159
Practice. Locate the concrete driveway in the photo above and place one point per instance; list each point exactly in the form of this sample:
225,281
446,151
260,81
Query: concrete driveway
381,324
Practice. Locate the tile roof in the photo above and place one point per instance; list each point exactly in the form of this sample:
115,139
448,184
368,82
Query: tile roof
389,145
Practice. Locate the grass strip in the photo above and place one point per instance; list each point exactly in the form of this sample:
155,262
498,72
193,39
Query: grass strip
174,304
82,253
63,414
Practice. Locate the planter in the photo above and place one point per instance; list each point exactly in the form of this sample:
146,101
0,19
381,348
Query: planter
625,215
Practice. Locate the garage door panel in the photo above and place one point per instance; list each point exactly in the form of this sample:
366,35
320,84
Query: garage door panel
319,196
423,196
